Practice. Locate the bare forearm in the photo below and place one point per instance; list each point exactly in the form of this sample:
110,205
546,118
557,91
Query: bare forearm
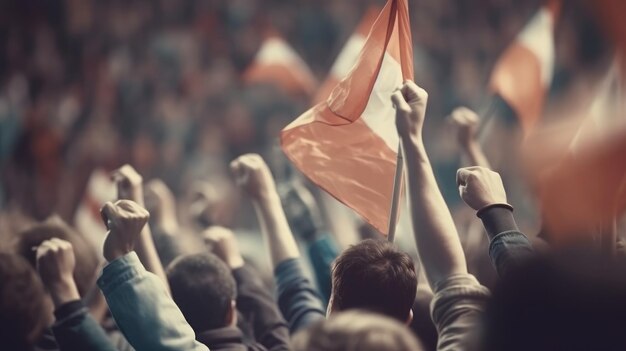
475,155
435,234
276,231
146,251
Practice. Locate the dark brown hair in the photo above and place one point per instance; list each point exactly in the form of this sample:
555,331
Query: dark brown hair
375,276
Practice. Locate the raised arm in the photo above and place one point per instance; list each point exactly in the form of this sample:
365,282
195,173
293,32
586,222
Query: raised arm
74,328
466,123
298,299
437,240
254,177
483,191
459,299
137,299
130,187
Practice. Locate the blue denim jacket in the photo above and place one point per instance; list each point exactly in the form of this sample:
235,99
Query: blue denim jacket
143,310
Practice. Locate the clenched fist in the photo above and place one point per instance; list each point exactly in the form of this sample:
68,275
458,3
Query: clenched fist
125,219
129,184
480,187
466,123
55,264
224,245
410,102
252,175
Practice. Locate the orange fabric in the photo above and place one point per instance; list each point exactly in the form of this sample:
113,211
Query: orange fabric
517,79
334,147
293,76
585,190
289,79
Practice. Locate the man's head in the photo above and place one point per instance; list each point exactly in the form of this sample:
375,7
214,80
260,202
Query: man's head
86,257
23,306
373,275
357,331
204,289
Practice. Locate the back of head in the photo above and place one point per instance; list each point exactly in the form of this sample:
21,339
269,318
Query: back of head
203,288
373,275
23,308
357,331
570,301
86,256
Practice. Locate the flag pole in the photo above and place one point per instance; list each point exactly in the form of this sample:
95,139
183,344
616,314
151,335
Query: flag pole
395,198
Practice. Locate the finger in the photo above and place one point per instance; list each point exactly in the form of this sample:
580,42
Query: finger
462,191
413,93
461,176
399,102
107,212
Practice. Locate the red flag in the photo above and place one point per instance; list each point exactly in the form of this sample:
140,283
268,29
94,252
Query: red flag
524,72
348,144
277,63
348,55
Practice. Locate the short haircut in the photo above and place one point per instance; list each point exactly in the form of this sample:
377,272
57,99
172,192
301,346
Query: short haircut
203,288
87,261
23,312
375,276
357,331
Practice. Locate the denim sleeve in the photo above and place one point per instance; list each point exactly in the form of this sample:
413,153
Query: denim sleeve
457,308
143,310
76,330
322,253
298,299
509,247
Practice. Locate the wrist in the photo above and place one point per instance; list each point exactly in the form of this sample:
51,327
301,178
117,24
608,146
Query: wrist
63,291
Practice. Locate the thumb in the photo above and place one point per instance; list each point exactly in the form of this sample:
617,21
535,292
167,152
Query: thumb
461,176
107,211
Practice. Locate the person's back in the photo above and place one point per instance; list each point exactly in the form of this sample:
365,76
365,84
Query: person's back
373,275
356,331
572,302
205,291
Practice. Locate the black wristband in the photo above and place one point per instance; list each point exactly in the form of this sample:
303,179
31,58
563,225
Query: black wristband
480,212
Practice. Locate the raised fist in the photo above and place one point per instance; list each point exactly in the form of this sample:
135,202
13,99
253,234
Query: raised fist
125,219
410,102
129,184
55,264
466,123
223,243
480,187
252,175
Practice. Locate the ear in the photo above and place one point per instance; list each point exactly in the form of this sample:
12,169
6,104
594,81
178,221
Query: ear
231,316
409,318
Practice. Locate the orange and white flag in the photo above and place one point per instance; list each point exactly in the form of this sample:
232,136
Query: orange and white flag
348,55
348,143
522,75
607,112
279,64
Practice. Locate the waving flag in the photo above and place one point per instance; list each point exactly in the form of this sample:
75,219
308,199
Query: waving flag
277,63
348,143
348,55
524,72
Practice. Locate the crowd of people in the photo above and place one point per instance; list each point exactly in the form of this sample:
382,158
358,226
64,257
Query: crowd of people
225,246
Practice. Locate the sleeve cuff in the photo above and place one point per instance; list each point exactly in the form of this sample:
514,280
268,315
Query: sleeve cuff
287,270
497,219
68,310
119,271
